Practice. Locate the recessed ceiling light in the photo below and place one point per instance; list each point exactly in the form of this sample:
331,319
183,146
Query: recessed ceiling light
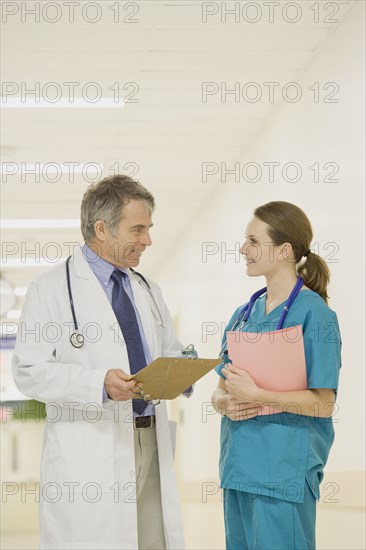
7,150
40,224
21,262
20,290
62,103
58,168
14,313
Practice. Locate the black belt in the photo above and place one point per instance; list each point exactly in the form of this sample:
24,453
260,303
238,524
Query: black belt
143,421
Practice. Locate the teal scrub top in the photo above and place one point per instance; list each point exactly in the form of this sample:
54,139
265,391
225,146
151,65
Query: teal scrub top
274,455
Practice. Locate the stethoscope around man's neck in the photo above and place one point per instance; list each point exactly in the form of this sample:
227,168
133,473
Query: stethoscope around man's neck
245,312
76,338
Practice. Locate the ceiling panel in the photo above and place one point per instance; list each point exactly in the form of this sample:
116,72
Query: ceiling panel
73,63
246,15
146,79
238,61
129,40
209,40
78,16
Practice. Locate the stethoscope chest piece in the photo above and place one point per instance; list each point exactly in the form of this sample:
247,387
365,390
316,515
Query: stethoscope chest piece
77,339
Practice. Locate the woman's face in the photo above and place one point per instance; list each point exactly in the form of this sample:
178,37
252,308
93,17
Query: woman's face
262,257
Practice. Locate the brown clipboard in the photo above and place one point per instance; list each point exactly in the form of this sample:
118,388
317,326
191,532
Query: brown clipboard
168,377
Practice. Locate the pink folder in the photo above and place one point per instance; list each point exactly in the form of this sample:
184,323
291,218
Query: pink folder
275,360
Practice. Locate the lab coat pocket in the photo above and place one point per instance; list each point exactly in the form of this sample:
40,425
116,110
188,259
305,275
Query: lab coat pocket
264,458
79,452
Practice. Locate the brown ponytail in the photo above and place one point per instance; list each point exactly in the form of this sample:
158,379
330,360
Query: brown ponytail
316,274
289,224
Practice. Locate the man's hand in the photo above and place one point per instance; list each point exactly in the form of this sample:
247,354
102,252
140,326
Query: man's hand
232,408
119,387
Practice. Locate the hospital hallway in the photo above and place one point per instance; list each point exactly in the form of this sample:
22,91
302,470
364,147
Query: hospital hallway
216,108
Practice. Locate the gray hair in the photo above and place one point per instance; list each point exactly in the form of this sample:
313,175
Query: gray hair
104,201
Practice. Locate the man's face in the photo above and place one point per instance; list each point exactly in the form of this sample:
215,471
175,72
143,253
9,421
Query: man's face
132,236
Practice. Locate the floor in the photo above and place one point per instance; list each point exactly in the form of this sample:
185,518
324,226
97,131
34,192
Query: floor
204,530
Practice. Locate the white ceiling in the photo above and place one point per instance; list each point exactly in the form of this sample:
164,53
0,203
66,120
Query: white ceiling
168,53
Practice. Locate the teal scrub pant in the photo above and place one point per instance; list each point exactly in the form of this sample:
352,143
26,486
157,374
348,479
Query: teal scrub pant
254,522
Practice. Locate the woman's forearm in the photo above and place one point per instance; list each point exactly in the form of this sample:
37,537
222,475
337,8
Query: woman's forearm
217,399
318,403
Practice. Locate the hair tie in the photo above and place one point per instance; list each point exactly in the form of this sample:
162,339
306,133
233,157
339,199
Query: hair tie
307,253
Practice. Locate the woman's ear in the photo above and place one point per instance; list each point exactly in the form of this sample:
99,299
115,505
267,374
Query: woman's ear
286,252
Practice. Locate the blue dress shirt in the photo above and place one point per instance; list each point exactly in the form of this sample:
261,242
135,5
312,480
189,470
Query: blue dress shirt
103,271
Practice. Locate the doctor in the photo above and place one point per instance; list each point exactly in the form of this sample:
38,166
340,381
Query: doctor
108,478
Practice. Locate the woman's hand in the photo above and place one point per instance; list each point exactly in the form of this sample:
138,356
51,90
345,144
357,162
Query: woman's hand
318,403
233,409
240,385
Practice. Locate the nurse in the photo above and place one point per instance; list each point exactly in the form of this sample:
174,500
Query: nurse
271,465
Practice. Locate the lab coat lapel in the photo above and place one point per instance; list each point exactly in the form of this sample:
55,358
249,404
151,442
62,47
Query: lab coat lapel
91,288
142,302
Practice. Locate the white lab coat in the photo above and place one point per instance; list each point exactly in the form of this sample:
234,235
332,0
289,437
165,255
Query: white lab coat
87,491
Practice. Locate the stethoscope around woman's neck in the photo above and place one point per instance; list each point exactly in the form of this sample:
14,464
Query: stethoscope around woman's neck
245,312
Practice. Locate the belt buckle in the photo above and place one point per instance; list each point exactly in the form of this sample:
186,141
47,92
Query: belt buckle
143,422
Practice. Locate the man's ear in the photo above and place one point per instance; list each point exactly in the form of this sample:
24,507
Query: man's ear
100,229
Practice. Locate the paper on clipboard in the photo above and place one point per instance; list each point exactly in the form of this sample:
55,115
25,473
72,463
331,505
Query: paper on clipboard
168,377
275,360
